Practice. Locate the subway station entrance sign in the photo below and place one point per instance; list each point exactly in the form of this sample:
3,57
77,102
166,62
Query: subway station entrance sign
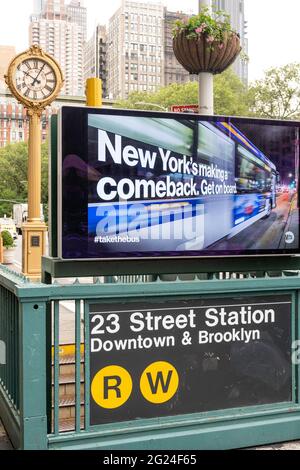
174,357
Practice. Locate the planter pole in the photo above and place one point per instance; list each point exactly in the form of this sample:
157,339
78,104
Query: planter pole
206,80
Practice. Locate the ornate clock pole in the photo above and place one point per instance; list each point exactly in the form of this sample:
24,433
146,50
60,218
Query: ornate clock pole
35,79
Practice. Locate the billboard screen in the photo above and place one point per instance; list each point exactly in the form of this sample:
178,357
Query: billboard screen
147,184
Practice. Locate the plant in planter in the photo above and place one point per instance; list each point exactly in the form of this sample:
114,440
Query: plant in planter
8,247
206,42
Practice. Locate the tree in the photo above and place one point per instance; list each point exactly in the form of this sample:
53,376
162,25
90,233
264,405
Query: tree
277,95
13,175
231,97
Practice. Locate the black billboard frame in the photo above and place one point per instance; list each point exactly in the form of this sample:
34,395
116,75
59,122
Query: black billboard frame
54,267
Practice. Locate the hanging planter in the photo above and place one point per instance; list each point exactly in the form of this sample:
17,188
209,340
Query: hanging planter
206,43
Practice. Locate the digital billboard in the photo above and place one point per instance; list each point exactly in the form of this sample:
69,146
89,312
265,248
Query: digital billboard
148,184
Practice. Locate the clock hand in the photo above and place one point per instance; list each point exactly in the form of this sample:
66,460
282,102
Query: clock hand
26,73
36,78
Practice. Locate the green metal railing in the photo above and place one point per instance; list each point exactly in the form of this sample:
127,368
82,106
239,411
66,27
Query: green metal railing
31,324
9,327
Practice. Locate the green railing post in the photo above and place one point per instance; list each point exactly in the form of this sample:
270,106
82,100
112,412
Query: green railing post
33,403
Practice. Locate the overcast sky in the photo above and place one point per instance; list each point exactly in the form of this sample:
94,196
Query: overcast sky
273,27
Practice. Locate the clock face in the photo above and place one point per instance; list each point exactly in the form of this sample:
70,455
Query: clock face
35,79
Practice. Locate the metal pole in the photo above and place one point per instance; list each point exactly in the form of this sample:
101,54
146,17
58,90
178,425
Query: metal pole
34,168
206,80
34,231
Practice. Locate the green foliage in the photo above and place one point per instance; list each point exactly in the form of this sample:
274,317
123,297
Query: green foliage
277,95
214,26
8,241
164,97
230,96
13,175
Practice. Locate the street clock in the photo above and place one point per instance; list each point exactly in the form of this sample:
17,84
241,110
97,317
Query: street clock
34,78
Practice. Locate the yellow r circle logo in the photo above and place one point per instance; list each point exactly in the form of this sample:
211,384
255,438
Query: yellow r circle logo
111,387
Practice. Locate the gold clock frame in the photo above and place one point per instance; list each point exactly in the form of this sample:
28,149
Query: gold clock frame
34,52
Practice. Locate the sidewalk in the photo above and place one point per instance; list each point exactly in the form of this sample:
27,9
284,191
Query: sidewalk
295,445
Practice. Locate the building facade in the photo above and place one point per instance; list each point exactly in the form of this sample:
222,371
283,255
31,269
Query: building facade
139,49
14,122
77,13
62,38
174,72
7,53
95,57
38,6
236,10
135,55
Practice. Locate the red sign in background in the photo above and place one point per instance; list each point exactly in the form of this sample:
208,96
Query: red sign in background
192,108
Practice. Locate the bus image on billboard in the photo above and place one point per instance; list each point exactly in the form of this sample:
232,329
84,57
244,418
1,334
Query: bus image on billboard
154,184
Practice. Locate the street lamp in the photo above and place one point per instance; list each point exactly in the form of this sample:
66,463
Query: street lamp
152,104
